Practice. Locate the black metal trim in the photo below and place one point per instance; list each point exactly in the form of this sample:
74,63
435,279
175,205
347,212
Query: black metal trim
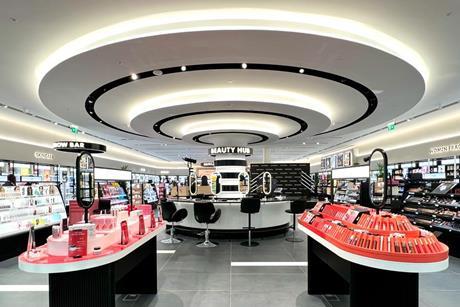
230,162
229,175
365,91
197,138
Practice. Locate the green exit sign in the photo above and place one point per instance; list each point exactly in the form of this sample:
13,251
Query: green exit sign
74,129
391,126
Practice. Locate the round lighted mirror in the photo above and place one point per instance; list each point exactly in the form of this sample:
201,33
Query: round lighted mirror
378,177
267,183
192,181
243,183
85,182
216,183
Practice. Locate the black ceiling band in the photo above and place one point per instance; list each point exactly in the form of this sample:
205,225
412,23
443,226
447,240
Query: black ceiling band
262,137
301,122
365,91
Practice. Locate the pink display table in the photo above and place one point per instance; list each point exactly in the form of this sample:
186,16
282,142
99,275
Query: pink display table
93,280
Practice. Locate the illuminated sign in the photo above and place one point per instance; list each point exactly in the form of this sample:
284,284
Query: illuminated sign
207,164
43,155
237,150
444,148
391,126
77,147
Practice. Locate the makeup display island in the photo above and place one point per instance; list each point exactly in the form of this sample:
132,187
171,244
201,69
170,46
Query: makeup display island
102,269
374,257
271,219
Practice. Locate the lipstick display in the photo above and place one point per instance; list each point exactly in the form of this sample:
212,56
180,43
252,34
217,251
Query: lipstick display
360,230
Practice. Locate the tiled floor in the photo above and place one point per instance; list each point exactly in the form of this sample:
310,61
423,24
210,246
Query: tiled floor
204,277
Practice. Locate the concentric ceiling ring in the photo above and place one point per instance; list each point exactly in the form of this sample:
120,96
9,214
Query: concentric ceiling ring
301,122
366,92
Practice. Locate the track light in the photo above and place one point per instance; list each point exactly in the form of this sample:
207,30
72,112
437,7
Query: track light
134,77
244,65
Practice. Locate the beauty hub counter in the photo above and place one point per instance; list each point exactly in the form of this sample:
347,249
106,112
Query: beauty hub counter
271,218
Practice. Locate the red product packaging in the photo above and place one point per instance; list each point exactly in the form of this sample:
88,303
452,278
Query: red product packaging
141,225
124,233
78,243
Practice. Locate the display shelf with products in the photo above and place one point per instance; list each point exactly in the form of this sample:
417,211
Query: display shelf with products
24,206
437,210
347,191
114,192
136,194
324,183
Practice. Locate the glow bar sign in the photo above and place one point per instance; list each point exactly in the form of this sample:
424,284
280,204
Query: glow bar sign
237,150
444,148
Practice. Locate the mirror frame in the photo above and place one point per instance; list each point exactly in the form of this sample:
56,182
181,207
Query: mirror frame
245,174
192,174
213,183
263,183
380,205
81,200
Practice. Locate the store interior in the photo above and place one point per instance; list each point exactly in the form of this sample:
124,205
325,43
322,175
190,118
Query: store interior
230,153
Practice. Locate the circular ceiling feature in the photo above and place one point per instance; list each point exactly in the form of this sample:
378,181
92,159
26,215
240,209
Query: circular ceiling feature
371,98
207,138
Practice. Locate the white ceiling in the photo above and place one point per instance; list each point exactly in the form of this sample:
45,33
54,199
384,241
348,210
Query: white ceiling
31,31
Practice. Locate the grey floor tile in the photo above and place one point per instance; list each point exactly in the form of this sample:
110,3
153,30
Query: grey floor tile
440,298
439,281
181,299
24,299
275,299
193,282
267,283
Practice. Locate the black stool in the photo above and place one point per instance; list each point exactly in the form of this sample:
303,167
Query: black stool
297,207
250,206
205,212
172,215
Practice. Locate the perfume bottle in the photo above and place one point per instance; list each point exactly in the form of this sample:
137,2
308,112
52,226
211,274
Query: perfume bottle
153,223
31,242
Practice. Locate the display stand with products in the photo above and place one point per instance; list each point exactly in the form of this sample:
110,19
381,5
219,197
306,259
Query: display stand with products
136,194
38,205
348,244
114,192
437,210
149,193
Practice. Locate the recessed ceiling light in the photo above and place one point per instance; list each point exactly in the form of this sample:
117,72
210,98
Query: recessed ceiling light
5,106
408,119
157,72
301,70
244,65
317,143
55,124
303,143
183,68
134,77
83,132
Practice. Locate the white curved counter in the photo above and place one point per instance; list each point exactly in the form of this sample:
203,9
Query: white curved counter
272,214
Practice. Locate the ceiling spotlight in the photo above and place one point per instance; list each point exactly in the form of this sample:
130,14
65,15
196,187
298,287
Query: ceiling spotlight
244,65
55,124
134,77
183,68
317,143
303,143
83,132
301,70
5,106
157,72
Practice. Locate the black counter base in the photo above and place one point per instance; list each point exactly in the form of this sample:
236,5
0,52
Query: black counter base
331,274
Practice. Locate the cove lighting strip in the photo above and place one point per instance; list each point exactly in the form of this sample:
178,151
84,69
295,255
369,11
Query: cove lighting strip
166,251
266,95
234,19
24,288
269,264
